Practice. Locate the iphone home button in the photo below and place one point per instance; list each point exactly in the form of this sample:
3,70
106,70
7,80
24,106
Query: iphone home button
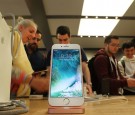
66,101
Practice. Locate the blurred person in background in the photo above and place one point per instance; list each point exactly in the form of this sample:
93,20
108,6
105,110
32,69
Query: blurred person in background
24,31
36,57
127,64
64,37
106,67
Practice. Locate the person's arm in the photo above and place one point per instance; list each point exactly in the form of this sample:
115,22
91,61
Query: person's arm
39,84
86,74
104,70
121,68
48,63
21,62
19,76
131,82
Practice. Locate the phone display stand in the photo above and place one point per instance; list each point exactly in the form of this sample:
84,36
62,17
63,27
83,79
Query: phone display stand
65,109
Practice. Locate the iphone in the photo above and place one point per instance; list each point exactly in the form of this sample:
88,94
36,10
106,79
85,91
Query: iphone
66,84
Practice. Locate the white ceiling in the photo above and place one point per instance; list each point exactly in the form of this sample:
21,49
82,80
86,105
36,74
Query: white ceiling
67,9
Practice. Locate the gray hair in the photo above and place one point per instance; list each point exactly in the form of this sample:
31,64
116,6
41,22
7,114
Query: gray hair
25,22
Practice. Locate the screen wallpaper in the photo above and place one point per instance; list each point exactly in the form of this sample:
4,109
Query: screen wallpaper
66,77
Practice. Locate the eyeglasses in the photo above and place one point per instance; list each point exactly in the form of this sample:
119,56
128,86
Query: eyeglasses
38,39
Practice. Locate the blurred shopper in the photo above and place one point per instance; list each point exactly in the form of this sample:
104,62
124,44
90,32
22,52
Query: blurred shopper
106,67
127,64
64,37
25,30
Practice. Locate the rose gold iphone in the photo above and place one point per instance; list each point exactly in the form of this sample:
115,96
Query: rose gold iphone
66,84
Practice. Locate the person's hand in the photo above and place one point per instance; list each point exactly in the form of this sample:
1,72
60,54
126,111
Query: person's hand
14,89
40,84
134,75
89,89
131,82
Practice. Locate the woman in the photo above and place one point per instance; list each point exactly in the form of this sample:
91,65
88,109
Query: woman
25,30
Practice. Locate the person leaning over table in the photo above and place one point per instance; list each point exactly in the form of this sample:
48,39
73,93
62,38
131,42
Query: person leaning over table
63,37
106,67
35,56
24,31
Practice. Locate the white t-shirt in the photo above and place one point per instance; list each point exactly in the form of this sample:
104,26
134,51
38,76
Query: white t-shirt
129,66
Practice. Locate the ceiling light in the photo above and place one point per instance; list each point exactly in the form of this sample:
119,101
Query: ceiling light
102,27
86,17
116,17
105,7
94,27
81,36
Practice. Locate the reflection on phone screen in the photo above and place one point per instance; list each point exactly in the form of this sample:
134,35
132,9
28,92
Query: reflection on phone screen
66,77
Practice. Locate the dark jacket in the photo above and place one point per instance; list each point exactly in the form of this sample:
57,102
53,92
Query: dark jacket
37,60
106,69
